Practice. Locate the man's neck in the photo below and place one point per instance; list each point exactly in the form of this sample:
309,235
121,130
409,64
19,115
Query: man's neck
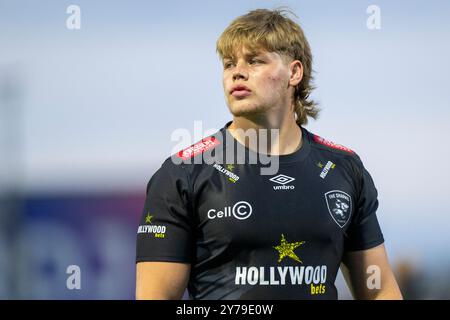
286,140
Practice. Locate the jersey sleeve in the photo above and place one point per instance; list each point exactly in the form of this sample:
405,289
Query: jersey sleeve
364,231
165,232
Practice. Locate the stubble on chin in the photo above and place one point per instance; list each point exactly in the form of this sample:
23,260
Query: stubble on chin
245,109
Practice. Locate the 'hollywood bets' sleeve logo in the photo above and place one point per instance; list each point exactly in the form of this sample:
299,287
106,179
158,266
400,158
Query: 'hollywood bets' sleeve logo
157,231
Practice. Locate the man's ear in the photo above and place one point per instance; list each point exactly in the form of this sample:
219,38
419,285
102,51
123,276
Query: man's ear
296,71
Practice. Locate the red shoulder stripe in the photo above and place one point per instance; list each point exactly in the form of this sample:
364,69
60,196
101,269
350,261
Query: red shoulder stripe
199,147
331,144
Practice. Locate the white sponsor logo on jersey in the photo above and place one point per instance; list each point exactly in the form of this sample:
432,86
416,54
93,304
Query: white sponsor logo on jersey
241,210
156,231
282,180
231,176
297,275
326,169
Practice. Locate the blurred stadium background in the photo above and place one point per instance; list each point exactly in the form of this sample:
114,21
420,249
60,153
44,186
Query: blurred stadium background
86,117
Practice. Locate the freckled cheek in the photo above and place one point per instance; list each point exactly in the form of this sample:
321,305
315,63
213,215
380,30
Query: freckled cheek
279,80
270,82
274,79
271,86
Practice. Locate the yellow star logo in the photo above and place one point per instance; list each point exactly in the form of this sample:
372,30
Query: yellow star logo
148,219
230,167
286,249
319,164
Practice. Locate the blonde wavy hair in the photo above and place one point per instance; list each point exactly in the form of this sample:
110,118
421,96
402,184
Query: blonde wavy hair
274,31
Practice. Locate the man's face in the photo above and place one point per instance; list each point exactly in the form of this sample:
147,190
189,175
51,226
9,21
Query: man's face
255,82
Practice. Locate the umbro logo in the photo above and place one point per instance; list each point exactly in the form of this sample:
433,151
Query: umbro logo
282,180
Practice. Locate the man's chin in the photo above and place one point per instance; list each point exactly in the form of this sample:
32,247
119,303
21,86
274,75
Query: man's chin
246,111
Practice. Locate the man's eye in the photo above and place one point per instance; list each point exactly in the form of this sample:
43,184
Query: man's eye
253,61
227,65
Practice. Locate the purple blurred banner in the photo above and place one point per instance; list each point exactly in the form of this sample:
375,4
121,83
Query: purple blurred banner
95,233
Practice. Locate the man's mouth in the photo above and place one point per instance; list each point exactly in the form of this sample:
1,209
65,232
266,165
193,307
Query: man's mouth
240,91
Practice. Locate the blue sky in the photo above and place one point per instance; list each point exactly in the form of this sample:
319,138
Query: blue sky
99,104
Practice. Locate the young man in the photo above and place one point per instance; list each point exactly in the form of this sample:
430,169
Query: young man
224,230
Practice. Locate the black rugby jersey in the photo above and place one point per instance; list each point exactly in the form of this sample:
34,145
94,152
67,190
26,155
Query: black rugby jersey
248,235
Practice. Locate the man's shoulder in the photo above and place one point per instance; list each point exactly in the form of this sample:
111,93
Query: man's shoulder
202,151
332,148
198,149
181,165
320,143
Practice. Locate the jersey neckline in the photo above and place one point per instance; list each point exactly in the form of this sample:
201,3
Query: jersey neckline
296,156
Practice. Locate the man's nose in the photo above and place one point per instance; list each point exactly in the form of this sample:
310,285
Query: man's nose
240,71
